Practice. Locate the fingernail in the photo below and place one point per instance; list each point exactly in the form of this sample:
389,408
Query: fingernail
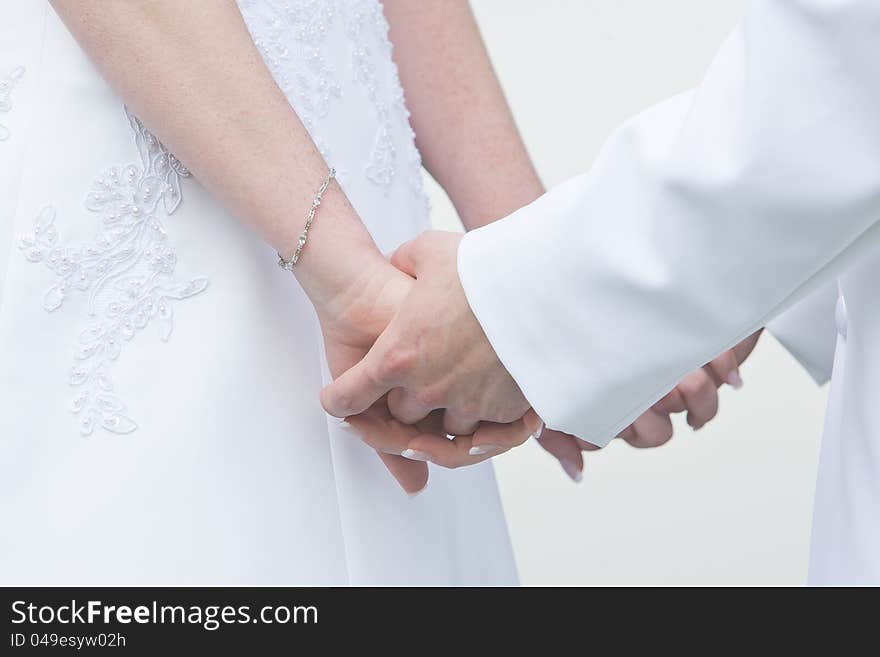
539,431
414,455
734,380
479,450
348,428
572,470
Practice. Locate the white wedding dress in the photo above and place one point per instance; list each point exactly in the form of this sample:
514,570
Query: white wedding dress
159,375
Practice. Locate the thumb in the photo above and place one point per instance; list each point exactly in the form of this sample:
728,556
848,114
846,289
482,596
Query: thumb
407,256
358,388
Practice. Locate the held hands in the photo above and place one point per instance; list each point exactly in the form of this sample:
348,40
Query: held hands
352,318
408,378
350,323
433,353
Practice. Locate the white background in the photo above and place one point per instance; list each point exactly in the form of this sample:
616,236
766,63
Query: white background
732,503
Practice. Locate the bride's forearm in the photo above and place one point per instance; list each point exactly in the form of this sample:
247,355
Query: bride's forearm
463,124
191,72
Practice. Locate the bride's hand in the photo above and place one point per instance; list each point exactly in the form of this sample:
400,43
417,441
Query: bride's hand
351,320
696,394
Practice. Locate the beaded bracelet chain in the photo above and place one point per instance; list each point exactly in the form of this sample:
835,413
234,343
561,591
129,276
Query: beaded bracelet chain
304,236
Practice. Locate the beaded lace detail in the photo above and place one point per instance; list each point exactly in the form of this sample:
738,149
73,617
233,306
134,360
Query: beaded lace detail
368,30
291,36
126,273
7,84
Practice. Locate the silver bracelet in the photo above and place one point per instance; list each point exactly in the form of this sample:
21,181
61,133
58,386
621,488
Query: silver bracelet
304,236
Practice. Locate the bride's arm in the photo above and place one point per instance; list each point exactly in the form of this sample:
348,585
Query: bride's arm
191,72
463,124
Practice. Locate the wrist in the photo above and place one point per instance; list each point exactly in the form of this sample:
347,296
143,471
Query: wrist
338,245
358,315
341,270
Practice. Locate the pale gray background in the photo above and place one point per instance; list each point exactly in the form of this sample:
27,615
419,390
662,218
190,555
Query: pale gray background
732,503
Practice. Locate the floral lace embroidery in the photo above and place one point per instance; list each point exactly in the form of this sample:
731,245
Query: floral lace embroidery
7,84
127,273
290,37
367,23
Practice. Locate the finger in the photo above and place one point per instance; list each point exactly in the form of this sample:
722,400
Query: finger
744,348
459,424
408,255
628,434
725,369
380,431
566,450
585,446
407,408
355,390
672,402
700,396
389,437
494,438
411,475
444,452
651,429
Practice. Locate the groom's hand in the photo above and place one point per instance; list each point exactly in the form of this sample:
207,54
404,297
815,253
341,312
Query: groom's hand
433,354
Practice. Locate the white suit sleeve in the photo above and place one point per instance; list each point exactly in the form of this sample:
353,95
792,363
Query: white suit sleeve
700,220
809,333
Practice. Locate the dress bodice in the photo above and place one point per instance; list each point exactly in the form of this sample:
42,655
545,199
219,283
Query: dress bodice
333,60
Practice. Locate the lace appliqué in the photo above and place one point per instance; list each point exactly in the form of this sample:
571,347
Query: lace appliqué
368,24
127,273
290,37
7,84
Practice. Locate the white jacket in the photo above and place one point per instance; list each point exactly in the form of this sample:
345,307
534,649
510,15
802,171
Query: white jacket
702,219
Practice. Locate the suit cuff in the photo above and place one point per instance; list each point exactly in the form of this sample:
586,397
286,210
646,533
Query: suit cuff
809,332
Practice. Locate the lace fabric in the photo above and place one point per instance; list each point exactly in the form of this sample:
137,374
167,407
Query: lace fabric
126,273
7,84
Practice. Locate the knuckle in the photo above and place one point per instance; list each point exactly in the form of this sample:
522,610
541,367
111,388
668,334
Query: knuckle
431,397
691,386
706,387
468,410
395,364
513,415
507,414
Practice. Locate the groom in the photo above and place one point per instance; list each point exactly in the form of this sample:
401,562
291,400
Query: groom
702,219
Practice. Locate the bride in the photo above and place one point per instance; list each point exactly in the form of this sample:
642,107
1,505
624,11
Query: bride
160,374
